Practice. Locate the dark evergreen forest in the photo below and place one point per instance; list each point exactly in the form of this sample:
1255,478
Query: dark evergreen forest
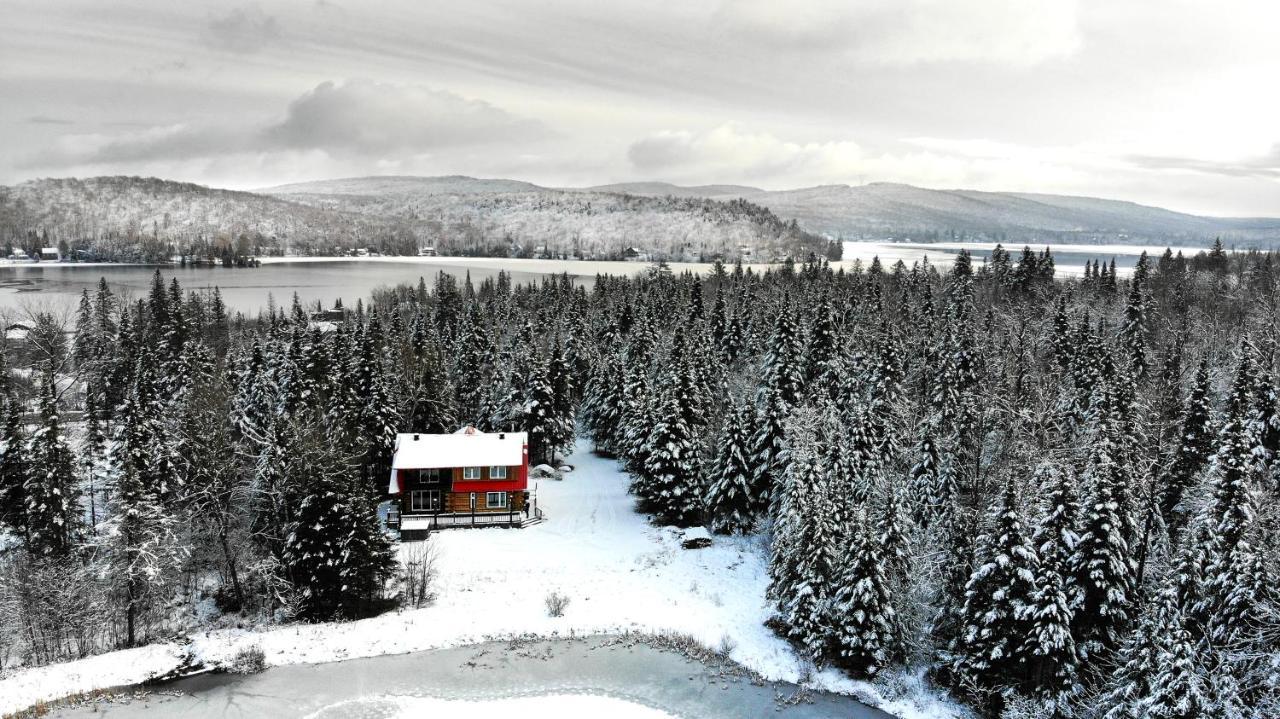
1057,495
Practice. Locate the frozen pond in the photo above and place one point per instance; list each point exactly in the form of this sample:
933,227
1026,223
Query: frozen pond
595,676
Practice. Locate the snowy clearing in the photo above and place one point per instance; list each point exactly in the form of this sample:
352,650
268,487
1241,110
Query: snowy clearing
620,574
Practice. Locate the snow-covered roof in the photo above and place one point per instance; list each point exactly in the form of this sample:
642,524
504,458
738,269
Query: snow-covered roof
468,447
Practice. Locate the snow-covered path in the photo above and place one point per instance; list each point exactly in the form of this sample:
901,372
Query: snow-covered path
619,572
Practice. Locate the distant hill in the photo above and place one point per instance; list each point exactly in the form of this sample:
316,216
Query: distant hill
886,210
133,218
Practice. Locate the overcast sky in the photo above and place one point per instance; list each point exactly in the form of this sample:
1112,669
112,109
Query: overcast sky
1168,102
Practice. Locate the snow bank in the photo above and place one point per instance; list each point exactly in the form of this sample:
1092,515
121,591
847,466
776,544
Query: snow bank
619,572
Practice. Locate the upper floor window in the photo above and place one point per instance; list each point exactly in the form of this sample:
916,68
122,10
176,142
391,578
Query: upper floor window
497,472
471,473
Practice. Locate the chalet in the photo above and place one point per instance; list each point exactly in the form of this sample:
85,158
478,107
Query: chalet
465,479
50,254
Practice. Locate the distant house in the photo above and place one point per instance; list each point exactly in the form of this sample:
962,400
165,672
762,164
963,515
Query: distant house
635,254
427,251
465,479
50,254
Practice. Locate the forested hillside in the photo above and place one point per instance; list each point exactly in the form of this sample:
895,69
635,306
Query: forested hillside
1057,497
883,210
145,219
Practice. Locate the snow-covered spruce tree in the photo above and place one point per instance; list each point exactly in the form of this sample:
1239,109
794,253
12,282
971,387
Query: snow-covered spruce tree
335,555
1195,440
564,394
805,604
1128,688
730,505
782,371
140,542
1181,688
867,631
13,461
1133,332
603,404
923,477
52,519
1102,565
672,488
1050,647
1228,599
999,597
768,448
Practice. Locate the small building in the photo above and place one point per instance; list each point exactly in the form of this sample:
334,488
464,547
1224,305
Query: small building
427,251
50,254
465,479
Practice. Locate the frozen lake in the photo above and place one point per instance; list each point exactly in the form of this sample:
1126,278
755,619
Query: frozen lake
595,676
326,279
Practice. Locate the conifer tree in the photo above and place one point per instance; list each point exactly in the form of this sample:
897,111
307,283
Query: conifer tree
1134,331
730,505
867,630
805,606
783,368
673,484
1192,454
998,600
52,519
768,447
1102,565
1050,646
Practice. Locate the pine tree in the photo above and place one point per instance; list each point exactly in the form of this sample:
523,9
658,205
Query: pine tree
673,485
730,505
768,448
922,480
866,623
1102,565
1180,688
783,368
335,553
805,607
1134,330
998,601
52,519
1050,646
1195,440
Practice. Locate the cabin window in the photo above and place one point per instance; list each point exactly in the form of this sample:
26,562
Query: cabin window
424,500
496,472
423,476
496,500
471,473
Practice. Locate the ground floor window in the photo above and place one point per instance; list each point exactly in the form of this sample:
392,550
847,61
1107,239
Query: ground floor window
496,500
424,500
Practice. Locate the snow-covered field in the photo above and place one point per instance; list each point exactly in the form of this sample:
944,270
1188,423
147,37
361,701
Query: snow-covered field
620,574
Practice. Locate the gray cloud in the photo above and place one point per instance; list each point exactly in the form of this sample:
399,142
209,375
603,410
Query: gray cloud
357,117
1265,166
242,30
373,117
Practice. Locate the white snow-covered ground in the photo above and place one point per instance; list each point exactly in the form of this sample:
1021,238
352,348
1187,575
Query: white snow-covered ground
619,572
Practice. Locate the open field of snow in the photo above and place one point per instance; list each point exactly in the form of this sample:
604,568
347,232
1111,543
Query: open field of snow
620,574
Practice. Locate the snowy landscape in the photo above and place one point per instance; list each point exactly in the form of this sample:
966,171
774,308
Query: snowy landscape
729,358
